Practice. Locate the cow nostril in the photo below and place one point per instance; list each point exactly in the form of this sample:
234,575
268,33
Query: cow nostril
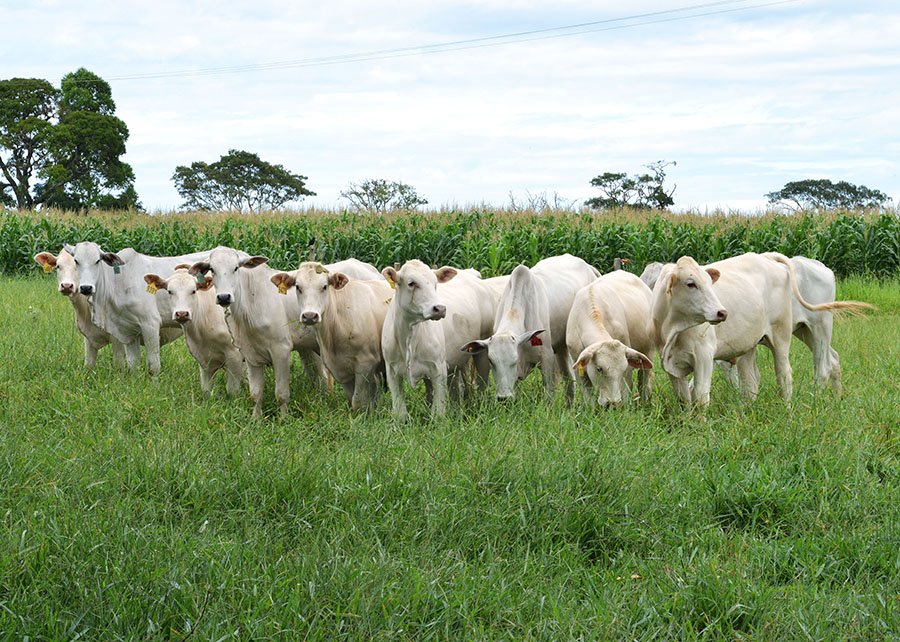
438,311
310,318
223,299
86,289
721,315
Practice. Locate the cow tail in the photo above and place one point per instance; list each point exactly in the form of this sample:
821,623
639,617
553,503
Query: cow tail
837,307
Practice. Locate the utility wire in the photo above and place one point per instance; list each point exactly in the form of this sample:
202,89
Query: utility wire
472,43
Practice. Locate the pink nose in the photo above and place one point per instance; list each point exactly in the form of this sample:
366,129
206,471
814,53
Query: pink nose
182,315
67,288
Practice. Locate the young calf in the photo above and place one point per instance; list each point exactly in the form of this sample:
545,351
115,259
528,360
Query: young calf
193,307
348,317
609,334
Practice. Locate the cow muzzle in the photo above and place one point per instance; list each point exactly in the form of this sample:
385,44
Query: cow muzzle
67,288
721,315
224,299
310,318
86,290
182,316
437,312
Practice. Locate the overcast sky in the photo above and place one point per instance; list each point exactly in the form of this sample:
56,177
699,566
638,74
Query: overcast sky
744,100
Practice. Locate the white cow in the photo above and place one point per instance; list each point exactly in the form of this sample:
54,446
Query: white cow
348,317
609,334
95,337
530,324
120,303
416,350
193,306
750,303
817,285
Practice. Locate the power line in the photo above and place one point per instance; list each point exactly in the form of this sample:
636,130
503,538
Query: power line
547,33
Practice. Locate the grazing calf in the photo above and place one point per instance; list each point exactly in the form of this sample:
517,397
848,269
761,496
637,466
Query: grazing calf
609,334
750,304
120,303
95,337
193,307
348,317
530,324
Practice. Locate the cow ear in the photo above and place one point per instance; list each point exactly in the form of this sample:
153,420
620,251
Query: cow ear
46,261
283,281
154,282
69,248
714,274
474,347
445,273
337,280
201,267
207,283
183,266
671,283
390,274
111,258
583,360
638,360
531,336
254,261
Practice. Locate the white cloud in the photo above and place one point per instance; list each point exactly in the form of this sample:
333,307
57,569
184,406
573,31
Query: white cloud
744,101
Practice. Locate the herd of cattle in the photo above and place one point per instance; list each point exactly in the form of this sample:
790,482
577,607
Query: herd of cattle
451,328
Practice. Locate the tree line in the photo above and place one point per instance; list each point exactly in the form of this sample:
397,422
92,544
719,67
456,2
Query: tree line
62,148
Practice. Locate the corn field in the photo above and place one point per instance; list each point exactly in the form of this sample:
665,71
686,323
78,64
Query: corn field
493,241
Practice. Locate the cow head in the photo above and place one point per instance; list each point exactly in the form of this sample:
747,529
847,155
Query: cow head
416,290
312,284
90,259
504,354
223,266
64,265
602,366
182,288
691,294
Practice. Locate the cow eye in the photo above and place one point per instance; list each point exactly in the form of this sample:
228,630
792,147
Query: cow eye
96,262
236,269
76,262
690,284
299,290
212,271
411,284
324,287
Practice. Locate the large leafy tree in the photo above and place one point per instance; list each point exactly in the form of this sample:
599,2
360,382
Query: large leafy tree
380,195
647,190
238,181
63,147
822,194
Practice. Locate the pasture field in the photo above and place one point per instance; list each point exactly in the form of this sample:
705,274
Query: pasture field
133,508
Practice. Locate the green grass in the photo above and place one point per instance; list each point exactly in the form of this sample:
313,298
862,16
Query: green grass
132,508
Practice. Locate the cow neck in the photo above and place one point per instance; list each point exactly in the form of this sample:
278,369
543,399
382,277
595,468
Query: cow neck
242,309
82,313
599,332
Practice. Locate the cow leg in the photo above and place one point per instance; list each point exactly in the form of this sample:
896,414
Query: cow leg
748,371
363,391
703,370
133,354
206,376
151,346
256,378
564,363
586,387
281,364
234,366
730,373
395,385
118,351
645,383
90,354
834,372
439,403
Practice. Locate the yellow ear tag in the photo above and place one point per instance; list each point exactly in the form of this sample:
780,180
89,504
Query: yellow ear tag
151,287
47,268
580,369
282,288
393,283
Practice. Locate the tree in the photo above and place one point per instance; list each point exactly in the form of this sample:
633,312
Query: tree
379,195
643,191
69,140
822,194
238,181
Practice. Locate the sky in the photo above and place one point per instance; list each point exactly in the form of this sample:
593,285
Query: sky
743,95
